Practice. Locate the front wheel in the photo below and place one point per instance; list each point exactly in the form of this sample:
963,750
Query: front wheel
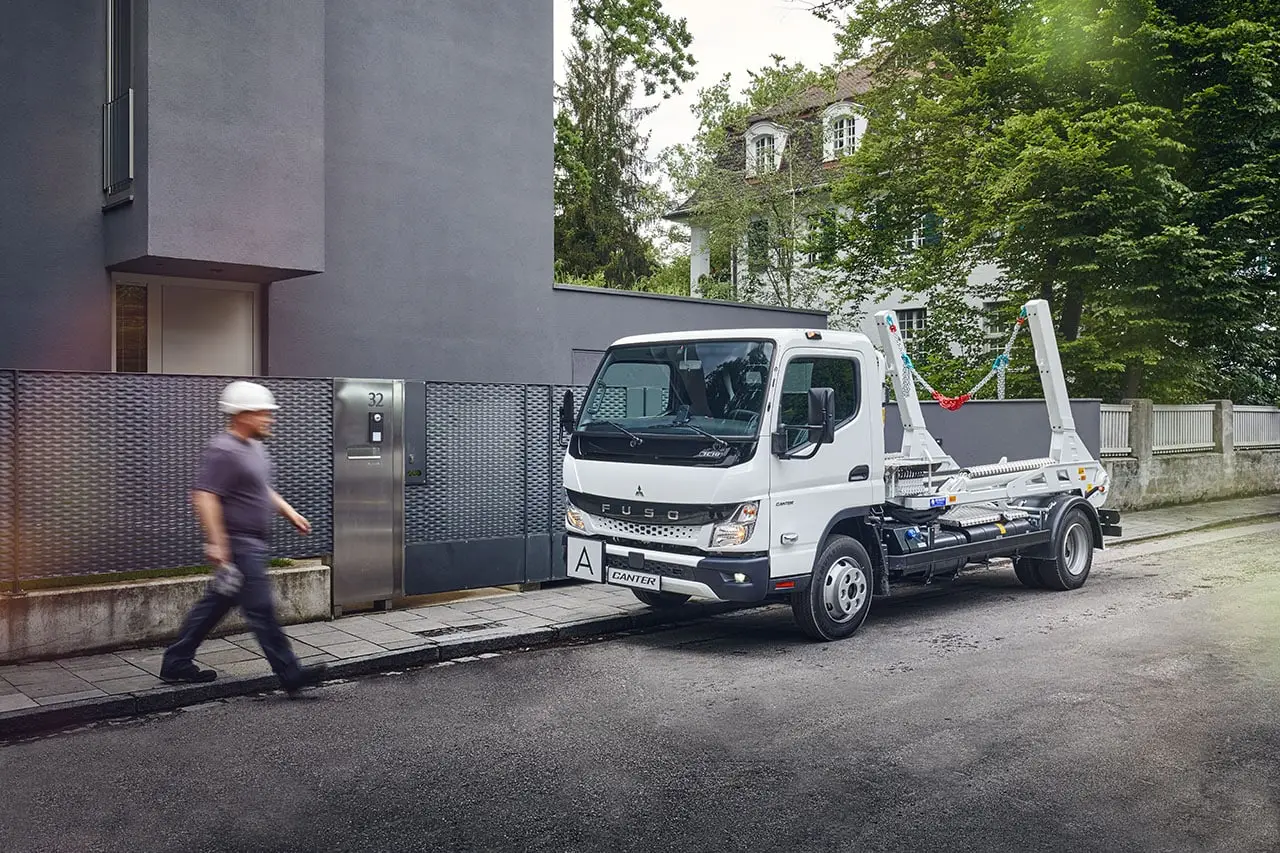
660,600
838,598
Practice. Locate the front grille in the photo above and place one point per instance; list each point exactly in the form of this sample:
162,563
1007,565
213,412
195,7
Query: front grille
675,534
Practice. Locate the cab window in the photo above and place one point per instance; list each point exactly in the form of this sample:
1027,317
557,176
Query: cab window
805,372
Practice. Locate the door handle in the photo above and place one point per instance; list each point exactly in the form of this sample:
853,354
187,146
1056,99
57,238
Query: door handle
859,474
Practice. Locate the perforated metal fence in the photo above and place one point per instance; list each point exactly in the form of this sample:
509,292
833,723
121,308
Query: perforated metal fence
101,468
101,481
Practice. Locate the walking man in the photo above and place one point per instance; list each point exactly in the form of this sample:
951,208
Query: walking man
235,502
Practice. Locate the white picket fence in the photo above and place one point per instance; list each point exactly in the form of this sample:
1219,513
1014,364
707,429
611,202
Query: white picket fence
1257,426
1188,429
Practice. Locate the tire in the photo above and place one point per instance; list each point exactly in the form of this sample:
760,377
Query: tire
660,600
1072,554
1028,571
838,597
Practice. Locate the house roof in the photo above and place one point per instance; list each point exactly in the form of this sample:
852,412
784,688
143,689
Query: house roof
848,85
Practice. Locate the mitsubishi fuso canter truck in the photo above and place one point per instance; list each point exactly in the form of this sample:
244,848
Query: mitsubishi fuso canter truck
748,465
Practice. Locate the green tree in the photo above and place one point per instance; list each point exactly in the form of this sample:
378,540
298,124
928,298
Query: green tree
1117,157
604,196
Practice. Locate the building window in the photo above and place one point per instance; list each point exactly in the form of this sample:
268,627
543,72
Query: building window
996,325
117,109
764,154
757,247
131,328
911,322
822,237
927,232
842,137
841,127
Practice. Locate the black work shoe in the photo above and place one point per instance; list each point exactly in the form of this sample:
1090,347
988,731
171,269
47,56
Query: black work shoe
189,674
307,676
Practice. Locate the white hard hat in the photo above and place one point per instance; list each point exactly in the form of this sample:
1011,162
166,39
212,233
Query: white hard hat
241,396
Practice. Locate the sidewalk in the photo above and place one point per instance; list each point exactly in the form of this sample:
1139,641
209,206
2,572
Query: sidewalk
40,696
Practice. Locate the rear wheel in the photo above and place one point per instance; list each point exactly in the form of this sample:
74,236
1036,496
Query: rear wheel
660,600
838,598
1073,554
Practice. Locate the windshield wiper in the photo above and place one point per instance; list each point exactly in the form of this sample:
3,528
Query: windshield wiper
682,420
636,440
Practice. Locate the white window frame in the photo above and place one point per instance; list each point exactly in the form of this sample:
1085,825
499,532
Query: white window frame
758,130
912,321
155,285
858,126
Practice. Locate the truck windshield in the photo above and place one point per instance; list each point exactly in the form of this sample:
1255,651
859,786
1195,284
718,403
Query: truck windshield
699,390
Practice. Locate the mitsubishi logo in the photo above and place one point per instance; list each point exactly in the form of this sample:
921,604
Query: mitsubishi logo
639,492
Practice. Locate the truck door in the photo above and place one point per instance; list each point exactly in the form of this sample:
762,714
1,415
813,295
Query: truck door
808,493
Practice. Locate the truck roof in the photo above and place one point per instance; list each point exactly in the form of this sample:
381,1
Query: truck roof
782,336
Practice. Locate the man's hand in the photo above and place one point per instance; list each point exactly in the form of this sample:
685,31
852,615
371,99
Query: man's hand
217,554
300,524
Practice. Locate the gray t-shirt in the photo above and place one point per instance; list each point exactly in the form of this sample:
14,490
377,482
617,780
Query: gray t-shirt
239,472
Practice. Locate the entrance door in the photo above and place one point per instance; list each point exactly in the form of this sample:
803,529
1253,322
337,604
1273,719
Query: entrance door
206,330
809,493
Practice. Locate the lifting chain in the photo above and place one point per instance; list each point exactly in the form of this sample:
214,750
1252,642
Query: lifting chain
998,368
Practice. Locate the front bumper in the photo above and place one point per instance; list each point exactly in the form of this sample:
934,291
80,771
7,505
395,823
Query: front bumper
702,576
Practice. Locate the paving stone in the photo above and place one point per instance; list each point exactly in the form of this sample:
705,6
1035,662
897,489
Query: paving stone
419,624
528,623
7,689
91,663
216,659
55,686
16,702
357,649
128,685
326,641
308,628
149,662
110,673
70,697
27,673
394,617
245,668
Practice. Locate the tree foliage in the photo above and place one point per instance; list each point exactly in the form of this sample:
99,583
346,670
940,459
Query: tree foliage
1120,158
604,192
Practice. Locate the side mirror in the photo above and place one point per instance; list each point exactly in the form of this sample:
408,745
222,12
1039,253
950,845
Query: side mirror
822,415
566,413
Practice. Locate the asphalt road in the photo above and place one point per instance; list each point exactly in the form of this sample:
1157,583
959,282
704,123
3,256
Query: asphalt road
1137,714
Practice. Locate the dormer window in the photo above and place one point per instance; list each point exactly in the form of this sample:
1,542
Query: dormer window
765,142
842,128
764,153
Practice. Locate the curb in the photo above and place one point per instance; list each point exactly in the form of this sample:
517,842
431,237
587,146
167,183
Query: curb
27,722
1238,521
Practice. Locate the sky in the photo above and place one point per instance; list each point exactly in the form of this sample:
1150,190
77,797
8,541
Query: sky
728,36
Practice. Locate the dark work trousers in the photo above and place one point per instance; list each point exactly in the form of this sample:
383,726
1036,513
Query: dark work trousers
254,598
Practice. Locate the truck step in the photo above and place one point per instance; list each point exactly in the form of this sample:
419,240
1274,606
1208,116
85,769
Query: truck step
996,469
973,516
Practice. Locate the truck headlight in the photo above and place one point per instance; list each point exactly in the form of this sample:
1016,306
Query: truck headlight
738,529
574,519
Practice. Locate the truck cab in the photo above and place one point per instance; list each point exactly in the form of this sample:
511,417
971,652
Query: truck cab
742,465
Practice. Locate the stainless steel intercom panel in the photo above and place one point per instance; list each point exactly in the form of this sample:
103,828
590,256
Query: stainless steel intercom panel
368,490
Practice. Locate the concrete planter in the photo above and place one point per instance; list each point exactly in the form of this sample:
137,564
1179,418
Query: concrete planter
61,622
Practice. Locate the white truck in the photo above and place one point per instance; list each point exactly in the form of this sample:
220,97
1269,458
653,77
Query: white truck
749,465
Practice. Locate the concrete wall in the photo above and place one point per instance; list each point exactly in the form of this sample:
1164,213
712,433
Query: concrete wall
438,170
1191,478
236,111
55,300
55,623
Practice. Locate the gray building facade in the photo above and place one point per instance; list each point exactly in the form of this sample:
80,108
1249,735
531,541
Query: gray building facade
295,188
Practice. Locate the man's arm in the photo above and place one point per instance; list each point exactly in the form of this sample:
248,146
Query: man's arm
209,510
295,518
